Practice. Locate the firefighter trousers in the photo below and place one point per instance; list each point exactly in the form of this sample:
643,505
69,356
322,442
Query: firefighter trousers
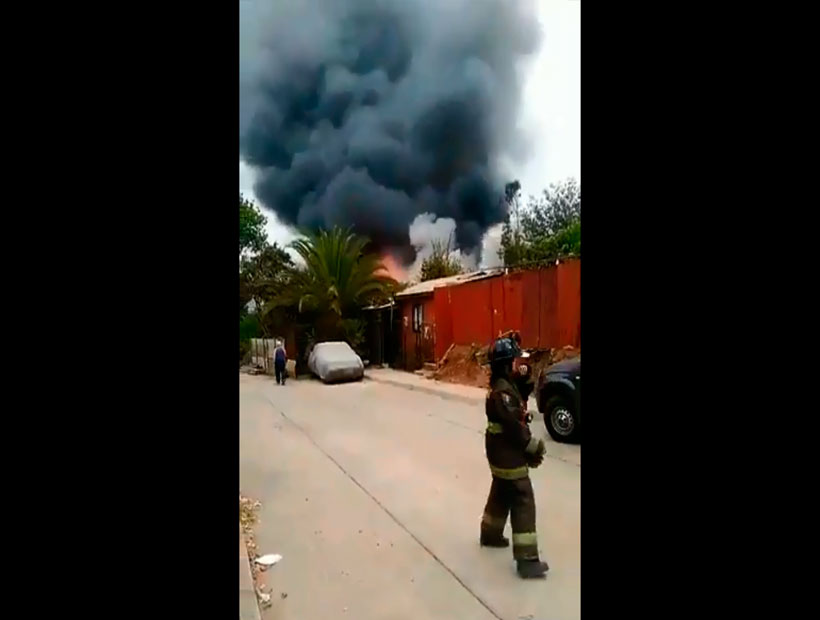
516,499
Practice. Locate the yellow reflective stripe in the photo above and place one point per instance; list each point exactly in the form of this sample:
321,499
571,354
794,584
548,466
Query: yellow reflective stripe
494,428
525,539
510,474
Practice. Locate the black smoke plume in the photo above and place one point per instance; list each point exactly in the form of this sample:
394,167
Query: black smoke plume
367,113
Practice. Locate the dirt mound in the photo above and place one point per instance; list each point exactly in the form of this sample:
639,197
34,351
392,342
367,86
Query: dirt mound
462,364
563,354
542,359
467,364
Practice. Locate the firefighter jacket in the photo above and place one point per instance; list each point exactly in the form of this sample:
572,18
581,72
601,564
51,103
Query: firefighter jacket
508,440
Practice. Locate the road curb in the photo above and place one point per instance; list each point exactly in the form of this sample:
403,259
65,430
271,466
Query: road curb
475,400
248,605
429,390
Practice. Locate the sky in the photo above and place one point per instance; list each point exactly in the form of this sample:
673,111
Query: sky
550,116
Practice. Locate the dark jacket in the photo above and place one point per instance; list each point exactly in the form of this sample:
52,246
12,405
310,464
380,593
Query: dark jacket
508,438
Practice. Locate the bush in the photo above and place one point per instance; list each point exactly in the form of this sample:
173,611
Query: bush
249,327
354,333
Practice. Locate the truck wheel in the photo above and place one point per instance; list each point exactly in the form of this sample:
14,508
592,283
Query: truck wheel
560,420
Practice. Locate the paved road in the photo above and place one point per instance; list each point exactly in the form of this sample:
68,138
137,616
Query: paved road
373,494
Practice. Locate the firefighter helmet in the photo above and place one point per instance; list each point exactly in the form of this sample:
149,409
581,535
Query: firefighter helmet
504,350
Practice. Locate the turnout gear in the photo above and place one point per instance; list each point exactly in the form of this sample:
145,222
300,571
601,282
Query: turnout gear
497,541
508,435
505,350
522,377
513,498
531,569
534,460
511,450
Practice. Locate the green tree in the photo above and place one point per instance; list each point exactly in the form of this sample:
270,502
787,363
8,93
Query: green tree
252,237
263,276
549,226
558,208
440,264
513,245
338,279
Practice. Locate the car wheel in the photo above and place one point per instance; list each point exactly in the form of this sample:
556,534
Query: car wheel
561,420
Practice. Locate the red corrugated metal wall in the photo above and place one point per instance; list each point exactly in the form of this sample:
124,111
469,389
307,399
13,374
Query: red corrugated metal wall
444,322
569,304
530,308
472,312
544,305
496,304
548,309
513,299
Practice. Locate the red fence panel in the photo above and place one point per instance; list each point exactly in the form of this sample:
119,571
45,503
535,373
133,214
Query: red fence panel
444,321
543,305
530,309
548,310
569,303
497,306
513,301
472,312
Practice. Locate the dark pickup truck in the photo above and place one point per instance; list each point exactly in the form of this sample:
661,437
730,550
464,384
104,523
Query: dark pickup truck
558,394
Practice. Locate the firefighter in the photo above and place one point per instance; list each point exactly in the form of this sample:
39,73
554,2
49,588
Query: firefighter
511,451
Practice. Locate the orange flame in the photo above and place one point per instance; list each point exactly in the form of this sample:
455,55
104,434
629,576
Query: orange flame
392,268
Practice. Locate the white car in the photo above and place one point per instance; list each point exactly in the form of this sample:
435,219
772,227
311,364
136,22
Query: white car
335,361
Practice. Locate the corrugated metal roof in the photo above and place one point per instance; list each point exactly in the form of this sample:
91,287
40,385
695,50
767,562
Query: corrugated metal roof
381,307
423,288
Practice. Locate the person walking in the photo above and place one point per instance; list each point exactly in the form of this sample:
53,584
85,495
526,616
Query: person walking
280,360
511,450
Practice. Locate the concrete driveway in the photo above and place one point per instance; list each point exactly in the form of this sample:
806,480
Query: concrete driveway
373,493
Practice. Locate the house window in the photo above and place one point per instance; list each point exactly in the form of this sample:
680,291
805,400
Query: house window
418,317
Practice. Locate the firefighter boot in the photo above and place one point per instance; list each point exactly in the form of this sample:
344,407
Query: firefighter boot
532,569
494,541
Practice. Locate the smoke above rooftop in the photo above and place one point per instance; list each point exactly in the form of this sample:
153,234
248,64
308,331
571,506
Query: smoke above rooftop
371,113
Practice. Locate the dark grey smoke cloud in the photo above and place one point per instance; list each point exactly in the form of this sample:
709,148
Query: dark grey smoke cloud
371,112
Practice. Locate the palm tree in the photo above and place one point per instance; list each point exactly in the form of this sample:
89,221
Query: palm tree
338,279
